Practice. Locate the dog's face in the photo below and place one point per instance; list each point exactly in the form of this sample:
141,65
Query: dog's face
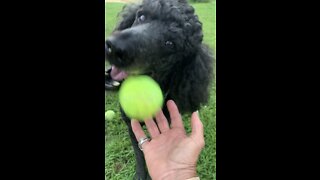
162,33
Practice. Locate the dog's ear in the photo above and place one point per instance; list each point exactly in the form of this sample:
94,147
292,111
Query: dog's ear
192,82
128,16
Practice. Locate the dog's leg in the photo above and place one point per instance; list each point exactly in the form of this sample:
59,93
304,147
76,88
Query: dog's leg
141,171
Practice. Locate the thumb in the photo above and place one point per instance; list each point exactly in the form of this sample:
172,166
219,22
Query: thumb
197,129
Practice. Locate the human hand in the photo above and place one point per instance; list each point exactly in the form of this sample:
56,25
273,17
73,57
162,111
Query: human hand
171,154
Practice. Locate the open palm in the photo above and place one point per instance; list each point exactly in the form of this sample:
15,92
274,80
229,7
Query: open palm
171,154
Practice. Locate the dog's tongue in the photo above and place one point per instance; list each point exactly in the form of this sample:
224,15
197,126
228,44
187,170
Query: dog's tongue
118,74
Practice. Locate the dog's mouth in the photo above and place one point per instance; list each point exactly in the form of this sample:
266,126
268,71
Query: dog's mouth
117,74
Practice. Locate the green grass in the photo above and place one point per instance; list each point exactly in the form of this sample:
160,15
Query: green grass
119,158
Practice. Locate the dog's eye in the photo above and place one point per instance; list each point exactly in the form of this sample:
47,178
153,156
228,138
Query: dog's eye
142,18
169,43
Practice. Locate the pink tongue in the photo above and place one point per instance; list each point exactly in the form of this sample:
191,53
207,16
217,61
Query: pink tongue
117,74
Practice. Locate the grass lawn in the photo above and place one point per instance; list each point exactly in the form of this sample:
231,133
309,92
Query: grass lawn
119,158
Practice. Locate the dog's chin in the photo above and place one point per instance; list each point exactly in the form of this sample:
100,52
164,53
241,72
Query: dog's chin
135,72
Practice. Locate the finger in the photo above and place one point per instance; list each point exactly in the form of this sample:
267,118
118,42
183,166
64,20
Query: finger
176,121
162,122
152,128
197,129
137,129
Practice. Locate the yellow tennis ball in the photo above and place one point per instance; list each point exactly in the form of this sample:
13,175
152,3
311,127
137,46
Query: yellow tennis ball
109,115
140,97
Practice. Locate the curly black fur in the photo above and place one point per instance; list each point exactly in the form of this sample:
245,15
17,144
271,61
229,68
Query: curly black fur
163,38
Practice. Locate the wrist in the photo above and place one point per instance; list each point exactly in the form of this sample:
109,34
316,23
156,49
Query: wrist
180,174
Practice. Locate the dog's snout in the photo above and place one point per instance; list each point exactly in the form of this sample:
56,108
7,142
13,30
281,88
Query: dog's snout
117,51
121,47
115,48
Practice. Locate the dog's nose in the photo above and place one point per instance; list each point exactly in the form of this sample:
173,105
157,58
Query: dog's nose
116,48
109,47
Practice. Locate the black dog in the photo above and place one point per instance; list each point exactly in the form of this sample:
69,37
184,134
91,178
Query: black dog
163,39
